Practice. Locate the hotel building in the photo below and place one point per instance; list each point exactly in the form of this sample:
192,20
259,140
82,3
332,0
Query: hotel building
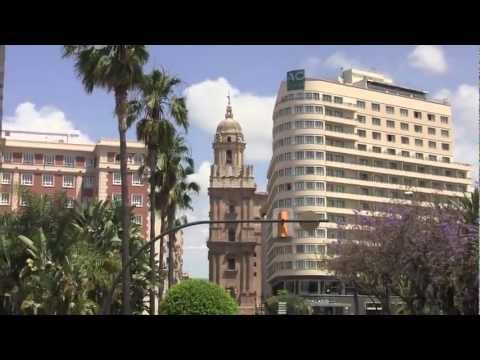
346,145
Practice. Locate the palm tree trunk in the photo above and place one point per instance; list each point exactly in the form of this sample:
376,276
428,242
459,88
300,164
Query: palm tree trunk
121,110
162,254
171,246
152,165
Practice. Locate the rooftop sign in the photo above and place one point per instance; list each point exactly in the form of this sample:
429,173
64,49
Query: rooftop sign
296,80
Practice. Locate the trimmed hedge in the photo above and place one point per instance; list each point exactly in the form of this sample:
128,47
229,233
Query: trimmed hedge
198,297
296,305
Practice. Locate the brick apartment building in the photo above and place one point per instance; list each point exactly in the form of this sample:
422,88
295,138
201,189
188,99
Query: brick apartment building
47,163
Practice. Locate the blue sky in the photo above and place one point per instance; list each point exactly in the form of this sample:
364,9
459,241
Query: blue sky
53,97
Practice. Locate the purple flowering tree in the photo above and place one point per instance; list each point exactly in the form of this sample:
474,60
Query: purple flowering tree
425,255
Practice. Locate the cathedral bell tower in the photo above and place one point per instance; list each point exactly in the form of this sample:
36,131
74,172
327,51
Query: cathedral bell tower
234,253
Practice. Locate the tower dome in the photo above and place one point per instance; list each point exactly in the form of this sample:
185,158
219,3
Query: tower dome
229,125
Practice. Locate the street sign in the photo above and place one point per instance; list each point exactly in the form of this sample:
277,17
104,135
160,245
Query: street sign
296,80
282,308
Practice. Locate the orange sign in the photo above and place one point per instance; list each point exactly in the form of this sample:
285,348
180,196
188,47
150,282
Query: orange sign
282,227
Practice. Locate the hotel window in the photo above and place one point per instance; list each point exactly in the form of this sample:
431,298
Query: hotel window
68,181
362,147
391,138
431,131
391,151
27,179
7,156
376,121
444,119
48,159
47,180
117,158
405,140
136,179
403,112
231,234
117,179
432,158
88,182
327,98
418,128
231,264
363,176
137,219
70,203
310,155
375,107
316,96
432,144
445,147
137,159
444,133
376,149
319,155
288,156
310,170
318,109
364,162
431,117
6,178
318,140
299,155
405,154
393,165
376,135
4,199
361,119
309,109
68,161
137,200
299,171
390,123
390,109
299,186
361,104
419,156
91,163
417,114
288,171
361,133
28,158
446,159
418,142
404,126
337,100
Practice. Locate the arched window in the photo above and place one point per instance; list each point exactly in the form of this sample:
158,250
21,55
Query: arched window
231,234
229,157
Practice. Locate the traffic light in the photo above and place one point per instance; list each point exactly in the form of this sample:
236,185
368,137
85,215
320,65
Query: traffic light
282,227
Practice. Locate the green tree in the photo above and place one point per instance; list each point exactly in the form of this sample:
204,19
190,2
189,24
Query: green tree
117,69
175,165
157,110
296,305
198,297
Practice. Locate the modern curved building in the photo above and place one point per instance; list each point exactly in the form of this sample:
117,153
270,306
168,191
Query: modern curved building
341,146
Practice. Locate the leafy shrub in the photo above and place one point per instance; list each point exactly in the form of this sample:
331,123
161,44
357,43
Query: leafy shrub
296,305
198,297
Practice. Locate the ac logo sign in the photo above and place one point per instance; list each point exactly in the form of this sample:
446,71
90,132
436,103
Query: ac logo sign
296,80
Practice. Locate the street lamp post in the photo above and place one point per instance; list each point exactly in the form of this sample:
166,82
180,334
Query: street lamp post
303,222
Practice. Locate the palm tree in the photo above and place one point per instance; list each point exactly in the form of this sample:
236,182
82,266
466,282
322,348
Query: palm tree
174,167
158,109
118,69
469,204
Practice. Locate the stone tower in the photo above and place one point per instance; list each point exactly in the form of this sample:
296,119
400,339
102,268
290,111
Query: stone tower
234,250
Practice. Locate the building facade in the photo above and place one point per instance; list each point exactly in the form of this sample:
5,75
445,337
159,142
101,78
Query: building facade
234,250
341,146
48,163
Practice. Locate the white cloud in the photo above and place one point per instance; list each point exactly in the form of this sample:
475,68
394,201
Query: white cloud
314,65
428,57
464,101
202,177
45,119
206,102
